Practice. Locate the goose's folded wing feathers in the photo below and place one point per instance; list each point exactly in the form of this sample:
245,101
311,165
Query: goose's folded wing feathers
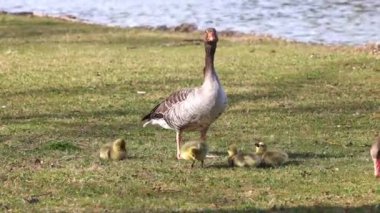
174,98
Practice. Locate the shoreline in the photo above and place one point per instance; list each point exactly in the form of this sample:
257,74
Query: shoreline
370,47
184,27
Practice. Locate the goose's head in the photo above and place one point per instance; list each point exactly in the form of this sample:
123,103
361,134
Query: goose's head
260,148
211,36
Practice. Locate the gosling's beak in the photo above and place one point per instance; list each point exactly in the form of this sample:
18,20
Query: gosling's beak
257,145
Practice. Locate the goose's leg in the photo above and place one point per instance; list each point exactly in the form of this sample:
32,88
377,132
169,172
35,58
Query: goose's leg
203,140
204,134
376,168
178,139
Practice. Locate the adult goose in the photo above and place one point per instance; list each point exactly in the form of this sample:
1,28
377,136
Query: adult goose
375,155
193,109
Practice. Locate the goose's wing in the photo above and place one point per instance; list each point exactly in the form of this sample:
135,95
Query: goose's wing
160,110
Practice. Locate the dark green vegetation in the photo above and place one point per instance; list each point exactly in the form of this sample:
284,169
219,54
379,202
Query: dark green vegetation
67,88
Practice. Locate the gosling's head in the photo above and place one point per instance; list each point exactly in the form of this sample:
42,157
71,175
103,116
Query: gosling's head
260,147
119,145
232,150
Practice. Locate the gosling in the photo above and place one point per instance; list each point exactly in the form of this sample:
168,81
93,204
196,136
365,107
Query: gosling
375,155
193,151
236,158
114,150
272,158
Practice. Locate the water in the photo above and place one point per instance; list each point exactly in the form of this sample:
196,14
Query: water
321,21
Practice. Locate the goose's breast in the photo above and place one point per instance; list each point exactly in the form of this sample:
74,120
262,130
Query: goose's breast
220,104
200,110
212,105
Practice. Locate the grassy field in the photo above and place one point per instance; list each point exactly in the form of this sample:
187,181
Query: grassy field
67,88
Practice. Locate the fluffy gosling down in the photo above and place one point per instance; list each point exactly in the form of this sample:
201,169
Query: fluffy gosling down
114,150
193,151
236,158
270,157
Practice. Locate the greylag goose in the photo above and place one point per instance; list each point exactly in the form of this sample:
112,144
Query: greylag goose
375,154
270,157
193,109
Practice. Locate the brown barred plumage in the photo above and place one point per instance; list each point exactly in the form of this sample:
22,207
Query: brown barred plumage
162,108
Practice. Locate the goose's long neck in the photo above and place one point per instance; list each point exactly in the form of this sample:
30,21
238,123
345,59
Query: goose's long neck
209,71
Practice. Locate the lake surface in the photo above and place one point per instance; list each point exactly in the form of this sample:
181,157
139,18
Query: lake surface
321,21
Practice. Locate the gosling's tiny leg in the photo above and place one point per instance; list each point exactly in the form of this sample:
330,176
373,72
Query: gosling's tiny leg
231,164
192,165
202,162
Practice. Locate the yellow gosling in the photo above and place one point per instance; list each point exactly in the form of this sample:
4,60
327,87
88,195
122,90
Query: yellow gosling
272,157
236,158
193,151
114,150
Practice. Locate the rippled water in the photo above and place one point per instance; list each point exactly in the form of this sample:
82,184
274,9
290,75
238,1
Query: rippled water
327,21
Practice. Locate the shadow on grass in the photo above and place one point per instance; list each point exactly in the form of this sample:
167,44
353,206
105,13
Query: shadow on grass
72,91
136,157
108,130
131,85
219,165
307,155
235,98
5,138
293,84
218,153
70,114
375,208
293,162
99,127
327,107
224,165
286,86
295,159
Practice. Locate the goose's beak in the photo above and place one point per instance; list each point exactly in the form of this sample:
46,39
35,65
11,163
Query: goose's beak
211,36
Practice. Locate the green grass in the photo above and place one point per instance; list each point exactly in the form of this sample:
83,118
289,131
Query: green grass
67,88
